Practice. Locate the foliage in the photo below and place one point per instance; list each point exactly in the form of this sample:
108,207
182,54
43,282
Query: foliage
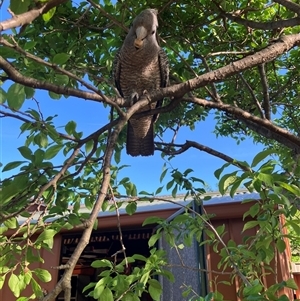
236,59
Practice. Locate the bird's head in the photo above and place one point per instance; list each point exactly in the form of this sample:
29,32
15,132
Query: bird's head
144,28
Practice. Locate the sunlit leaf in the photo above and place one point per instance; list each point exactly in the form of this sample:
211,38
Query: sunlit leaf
42,274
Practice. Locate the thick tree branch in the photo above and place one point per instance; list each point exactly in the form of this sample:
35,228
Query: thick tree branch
17,77
290,5
30,16
58,69
261,126
267,54
274,50
267,25
64,282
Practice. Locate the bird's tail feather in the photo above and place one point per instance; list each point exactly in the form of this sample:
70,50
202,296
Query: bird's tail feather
136,146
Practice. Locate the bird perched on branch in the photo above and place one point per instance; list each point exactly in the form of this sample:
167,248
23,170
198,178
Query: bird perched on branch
141,66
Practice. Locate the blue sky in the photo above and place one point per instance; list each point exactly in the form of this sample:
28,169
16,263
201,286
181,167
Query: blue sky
144,171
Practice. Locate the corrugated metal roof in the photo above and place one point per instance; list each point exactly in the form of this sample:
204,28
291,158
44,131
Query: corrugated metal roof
179,202
168,202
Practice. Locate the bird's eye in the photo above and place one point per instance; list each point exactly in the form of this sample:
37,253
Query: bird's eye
153,32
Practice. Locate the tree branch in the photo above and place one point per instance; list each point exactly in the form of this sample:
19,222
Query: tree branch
64,282
17,77
58,69
255,100
265,88
30,16
290,5
261,126
267,25
188,144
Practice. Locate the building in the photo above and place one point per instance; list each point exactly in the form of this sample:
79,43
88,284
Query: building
104,242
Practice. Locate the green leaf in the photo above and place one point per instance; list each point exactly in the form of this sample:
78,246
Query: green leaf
7,193
36,288
70,127
15,96
29,45
25,152
19,7
101,263
45,235
290,283
283,298
162,176
41,140
91,284
250,225
49,14
27,277
14,284
254,209
253,289
170,184
99,287
261,156
218,172
226,181
42,274
155,289
107,295
153,239
266,179
152,220
61,79
289,187
295,226
280,244
139,257
11,223
29,92
89,146
54,95
159,190
2,280
52,151
60,58
117,156
3,95
39,156
131,208
174,191
12,165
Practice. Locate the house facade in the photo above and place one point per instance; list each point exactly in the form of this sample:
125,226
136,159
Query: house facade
200,270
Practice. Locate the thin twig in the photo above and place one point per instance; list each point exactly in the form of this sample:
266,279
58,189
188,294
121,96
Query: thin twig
123,250
265,88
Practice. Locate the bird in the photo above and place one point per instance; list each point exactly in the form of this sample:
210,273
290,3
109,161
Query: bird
141,66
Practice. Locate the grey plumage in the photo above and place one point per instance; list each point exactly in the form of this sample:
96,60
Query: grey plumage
141,65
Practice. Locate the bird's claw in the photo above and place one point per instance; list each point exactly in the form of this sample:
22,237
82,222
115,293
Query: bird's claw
134,98
146,95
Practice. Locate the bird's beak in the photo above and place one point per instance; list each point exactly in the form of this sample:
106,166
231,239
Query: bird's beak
141,33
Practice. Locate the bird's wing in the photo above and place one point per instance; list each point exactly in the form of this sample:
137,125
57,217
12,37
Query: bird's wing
164,75
164,68
116,71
